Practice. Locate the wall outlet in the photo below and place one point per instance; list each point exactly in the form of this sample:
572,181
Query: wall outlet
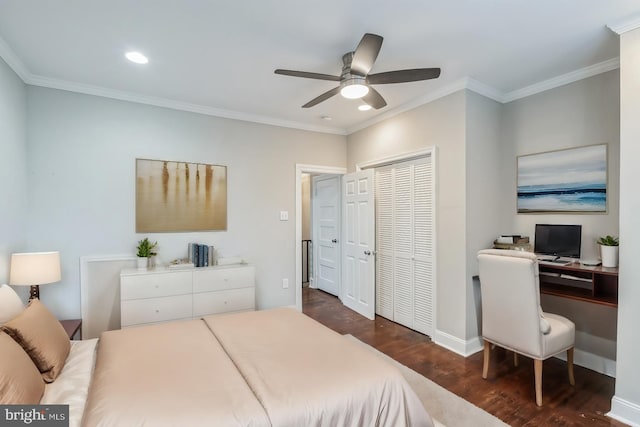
285,283
284,215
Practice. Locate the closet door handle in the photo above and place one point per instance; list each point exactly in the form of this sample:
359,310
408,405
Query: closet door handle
367,252
334,241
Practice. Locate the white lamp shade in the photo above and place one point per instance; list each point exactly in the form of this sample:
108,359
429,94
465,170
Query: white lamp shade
35,268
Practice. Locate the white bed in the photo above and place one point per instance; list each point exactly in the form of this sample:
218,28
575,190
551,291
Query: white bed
72,385
264,368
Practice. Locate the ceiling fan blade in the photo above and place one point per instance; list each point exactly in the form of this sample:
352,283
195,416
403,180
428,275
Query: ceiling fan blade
365,54
403,76
374,99
307,75
323,97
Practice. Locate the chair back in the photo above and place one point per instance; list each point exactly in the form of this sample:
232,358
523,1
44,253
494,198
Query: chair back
510,292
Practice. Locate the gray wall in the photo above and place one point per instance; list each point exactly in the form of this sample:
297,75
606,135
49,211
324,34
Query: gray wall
13,167
82,152
626,402
582,113
586,112
438,124
478,141
487,208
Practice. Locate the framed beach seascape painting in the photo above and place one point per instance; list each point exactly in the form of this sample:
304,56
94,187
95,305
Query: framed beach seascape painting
564,181
180,196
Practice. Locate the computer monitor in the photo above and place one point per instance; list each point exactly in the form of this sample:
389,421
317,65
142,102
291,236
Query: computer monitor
558,239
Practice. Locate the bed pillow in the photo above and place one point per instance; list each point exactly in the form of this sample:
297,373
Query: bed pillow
20,380
10,304
43,338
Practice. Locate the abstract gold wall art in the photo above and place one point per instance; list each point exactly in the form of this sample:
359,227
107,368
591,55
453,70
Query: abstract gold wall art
180,196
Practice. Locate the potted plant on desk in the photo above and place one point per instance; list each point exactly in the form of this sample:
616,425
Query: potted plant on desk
145,250
609,251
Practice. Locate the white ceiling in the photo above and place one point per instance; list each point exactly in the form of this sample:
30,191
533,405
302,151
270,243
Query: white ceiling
218,56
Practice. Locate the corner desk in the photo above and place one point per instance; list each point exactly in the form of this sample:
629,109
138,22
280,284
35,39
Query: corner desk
594,284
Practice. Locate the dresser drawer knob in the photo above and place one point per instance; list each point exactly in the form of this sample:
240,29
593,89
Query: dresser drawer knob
157,311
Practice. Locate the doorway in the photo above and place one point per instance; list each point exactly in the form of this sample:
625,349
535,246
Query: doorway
300,170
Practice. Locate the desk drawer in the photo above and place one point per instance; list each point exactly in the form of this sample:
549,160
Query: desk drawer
223,278
151,310
155,285
223,301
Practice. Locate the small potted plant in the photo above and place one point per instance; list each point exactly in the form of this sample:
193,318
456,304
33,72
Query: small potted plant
609,251
145,250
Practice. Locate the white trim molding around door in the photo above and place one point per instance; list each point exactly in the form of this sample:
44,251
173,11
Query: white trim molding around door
300,169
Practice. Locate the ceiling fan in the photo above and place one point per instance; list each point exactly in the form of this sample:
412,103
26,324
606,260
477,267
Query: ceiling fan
355,80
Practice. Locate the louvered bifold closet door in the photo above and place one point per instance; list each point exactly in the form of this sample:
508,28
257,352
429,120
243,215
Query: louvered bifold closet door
384,242
423,244
403,245
404,242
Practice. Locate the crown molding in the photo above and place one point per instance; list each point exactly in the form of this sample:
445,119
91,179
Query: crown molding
573,76
627,24
465,83
13,61
485,90
425,99
175,105
458,85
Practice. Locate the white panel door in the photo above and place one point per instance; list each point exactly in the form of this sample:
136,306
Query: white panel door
358,243
326,231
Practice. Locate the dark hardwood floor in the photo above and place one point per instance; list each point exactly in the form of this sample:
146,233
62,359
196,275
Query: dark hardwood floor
508,393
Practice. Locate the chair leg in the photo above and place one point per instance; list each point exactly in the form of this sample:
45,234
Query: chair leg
515,359
537,368
572,379
487,354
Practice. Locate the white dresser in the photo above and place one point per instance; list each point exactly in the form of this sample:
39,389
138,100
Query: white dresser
160,295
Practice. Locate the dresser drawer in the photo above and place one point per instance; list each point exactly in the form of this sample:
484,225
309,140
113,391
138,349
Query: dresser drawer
223,278
205,303
155,285
151,310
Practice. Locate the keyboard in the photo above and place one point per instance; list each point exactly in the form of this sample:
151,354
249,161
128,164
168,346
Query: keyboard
553,262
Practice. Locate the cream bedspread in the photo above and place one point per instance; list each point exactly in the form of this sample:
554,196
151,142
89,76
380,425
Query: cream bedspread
173,374
275,367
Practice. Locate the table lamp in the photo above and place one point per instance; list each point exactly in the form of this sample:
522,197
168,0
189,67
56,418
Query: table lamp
34,269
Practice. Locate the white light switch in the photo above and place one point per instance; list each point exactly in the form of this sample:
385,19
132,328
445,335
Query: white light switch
284,216
285,283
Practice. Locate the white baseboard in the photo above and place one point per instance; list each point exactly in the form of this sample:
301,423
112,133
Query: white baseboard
625,411
462,347
580,357
592,361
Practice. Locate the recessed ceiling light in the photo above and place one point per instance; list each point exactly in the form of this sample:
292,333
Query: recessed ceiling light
136,57
364,107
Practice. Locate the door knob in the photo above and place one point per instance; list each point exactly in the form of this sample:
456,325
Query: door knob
334,241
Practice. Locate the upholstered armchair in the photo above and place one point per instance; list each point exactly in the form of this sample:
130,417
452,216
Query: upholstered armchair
511,314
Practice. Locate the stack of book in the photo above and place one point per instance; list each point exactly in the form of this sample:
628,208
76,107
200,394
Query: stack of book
512,241
201,255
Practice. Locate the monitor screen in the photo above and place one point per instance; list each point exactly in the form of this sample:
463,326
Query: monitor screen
558,239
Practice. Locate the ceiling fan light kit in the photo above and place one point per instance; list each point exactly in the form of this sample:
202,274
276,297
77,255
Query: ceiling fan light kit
355,80
354,88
